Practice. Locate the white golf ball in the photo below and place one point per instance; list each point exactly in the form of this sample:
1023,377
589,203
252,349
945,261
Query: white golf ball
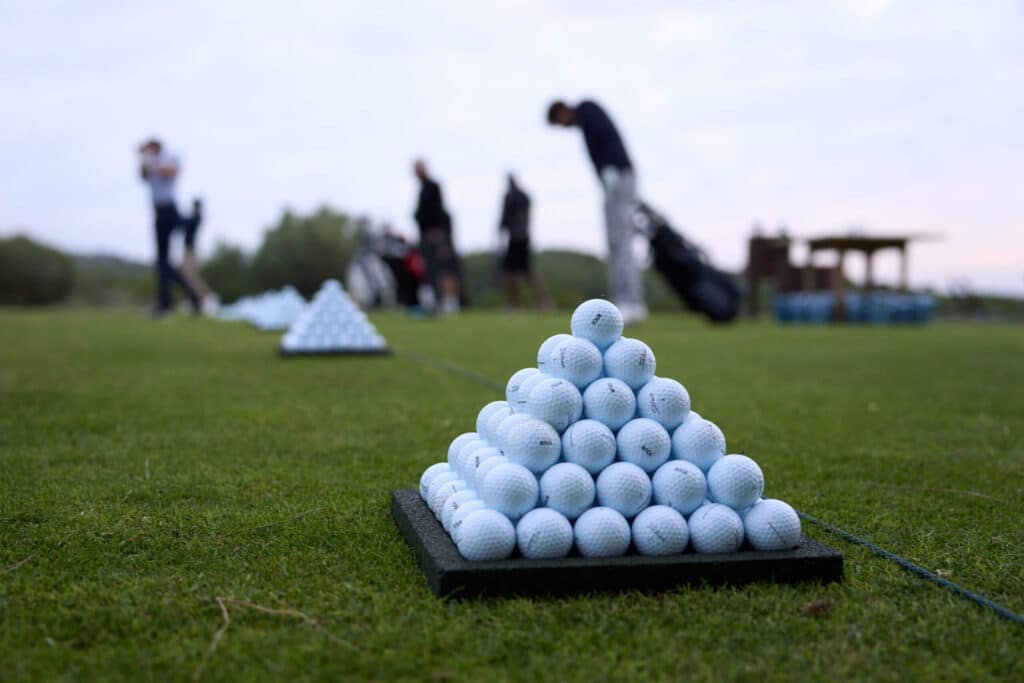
505,427
630,360
736,481
452,505
575,360
624,487
435,485
698,441
601,532
462,458
485,414
664,400
660,530
567,488
510,489
680,485
460,515
443,492
475,465
644,443
428,476
715,528
609,401
494,421
598,321
457,444
589,444
515,382
544,534
525,387
544,352
534,444
486,535
556,401
772,525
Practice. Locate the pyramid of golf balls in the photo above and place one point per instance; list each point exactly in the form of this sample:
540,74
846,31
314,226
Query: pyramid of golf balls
332,323
591,450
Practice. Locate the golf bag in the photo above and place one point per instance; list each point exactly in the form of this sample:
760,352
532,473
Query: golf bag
701,286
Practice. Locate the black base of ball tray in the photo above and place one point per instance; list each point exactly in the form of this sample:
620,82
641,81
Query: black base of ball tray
448,574
316,354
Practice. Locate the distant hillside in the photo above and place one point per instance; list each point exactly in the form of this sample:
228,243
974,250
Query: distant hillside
109,280
109,263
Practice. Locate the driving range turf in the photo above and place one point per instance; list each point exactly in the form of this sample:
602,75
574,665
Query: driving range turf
149,468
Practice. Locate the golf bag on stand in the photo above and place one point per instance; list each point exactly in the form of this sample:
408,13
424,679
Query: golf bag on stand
701,286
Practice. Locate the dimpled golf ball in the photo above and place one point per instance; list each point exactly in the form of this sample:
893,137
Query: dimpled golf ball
698,441
464,511
544,352
772,525
480,463
510,489
665,401
556,401
644,443
624,487
544,534
428,476
523,395
465,453
443,492
435,485
486,535
715,528
630,360
575,360
680,485
598,321
567,488
601,532
534,444
457,444
452,505
515,382
660,530
505,428
609,401
494,421
589,444
736,481
485,414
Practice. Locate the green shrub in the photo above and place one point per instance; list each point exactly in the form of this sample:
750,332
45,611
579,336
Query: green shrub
32,274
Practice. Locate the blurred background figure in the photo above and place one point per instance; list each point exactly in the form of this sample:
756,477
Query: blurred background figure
159,170
190,263
436,242
615,172
514,227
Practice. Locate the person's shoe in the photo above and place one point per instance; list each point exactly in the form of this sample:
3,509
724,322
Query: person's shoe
632,313
211,305
449,305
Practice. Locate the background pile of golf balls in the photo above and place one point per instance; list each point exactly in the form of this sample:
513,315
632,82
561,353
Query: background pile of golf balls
332,322
591,450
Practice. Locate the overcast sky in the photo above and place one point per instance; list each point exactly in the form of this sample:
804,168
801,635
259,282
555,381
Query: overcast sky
895,117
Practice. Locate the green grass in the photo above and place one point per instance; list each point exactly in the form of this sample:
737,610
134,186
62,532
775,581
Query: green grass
148,468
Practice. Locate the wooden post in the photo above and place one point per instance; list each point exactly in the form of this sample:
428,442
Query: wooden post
839,287
869,271
904,270
807,284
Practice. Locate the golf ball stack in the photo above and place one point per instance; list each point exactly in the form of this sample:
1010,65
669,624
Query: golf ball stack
591,454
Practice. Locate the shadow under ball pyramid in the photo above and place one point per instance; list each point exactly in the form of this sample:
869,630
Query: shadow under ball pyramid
332,324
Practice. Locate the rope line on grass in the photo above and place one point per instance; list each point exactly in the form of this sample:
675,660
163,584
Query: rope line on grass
957,589
435,362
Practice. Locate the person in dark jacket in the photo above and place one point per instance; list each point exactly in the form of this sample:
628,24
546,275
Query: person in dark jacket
615,172
436,242
514,225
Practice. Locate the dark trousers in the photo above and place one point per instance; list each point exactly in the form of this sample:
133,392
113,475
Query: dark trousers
167,221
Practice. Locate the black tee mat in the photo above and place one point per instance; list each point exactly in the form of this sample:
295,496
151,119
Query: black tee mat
449,575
